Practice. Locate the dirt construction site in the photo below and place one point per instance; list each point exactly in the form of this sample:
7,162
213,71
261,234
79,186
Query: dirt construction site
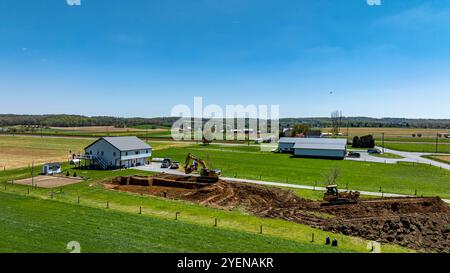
422,224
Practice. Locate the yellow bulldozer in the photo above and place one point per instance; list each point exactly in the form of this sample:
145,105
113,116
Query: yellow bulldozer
333,197
206,175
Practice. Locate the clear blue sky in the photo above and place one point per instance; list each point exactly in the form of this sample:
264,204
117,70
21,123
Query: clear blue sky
142,57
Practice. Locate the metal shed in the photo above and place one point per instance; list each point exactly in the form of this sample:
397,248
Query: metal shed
314,147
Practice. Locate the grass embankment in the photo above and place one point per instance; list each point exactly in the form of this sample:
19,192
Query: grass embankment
36,225
251,163
158,213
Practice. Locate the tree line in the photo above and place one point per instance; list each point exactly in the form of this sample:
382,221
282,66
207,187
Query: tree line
79,121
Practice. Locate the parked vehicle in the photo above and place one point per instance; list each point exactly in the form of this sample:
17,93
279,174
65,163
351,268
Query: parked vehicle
167,160
353,155
175,165
374,151
165,165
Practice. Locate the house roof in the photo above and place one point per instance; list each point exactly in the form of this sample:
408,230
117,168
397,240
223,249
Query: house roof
126,143
318,141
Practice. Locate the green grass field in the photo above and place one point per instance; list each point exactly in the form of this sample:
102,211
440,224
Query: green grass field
417,147
240,161
249,162
290,236
27,223
428,139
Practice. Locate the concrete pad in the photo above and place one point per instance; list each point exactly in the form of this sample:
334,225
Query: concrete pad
49,181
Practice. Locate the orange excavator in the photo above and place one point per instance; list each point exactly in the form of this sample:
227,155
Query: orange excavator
206,175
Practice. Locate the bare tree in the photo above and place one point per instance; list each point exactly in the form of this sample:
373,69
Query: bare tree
332,176
336,122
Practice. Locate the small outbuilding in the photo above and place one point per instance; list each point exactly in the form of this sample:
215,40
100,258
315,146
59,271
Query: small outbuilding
51,168
314,147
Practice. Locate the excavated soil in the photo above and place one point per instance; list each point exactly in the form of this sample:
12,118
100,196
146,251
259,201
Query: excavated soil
418,223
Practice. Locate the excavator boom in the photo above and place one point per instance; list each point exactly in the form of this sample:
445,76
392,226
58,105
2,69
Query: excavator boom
210,176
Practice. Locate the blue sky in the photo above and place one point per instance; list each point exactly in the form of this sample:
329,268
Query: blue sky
142,57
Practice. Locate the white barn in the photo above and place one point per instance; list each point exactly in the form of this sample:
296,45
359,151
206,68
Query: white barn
118,152
314,147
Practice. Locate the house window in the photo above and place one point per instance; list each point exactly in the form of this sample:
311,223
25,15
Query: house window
137,152
102,152
90,152
114,154
126,153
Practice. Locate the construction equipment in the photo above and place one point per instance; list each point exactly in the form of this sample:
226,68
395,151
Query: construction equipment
206,175
333,197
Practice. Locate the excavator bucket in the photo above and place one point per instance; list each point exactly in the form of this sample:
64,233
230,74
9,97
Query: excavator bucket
206,175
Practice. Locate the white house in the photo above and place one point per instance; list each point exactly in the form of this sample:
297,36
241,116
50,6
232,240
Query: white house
314,147
117,152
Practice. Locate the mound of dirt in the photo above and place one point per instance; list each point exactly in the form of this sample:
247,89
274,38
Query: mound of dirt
419,223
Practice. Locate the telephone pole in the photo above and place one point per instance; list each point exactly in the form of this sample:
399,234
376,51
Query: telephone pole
437,142
32,174
382,140
348,125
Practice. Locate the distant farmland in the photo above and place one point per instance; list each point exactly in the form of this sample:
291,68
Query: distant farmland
21,151
16,152
391,132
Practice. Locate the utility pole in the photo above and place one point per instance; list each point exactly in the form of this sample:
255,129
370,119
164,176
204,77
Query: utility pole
32,174
382,141
437,142
348,125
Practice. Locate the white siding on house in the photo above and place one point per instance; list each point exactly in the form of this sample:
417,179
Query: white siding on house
120,151
103,149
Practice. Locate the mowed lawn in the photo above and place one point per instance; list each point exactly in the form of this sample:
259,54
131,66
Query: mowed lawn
249,162
418,147
21,151
34,225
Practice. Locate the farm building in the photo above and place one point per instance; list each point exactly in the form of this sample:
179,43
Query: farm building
118,152
51,168
314,147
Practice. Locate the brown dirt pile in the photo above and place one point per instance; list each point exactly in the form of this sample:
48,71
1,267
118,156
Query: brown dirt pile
419,223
